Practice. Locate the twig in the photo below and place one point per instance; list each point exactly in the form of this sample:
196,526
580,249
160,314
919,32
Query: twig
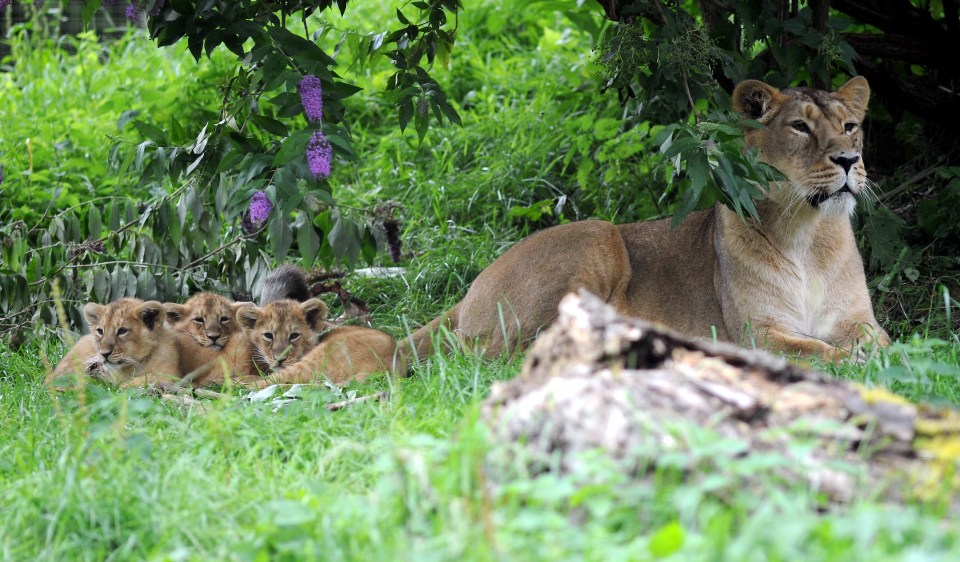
237,239
204,393
907,185
184,400
379,397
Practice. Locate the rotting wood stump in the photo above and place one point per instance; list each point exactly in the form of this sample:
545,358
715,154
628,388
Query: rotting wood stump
598,380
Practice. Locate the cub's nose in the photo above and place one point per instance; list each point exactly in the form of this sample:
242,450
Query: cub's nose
106,354
845,162
213,337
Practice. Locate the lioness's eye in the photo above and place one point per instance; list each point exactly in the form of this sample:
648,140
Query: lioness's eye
294,336
849,128
198,319
800,126
268,336
121,331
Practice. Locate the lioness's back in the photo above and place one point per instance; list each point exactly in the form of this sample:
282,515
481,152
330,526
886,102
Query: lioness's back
683,255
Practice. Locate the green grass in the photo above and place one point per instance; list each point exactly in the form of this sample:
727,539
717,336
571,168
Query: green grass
104,475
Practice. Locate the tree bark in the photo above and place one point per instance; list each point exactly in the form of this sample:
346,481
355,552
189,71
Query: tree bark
598,380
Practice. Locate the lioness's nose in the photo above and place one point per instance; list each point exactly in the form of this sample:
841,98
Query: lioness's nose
845,162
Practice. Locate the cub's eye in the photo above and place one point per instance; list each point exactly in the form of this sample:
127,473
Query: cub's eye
99,331
224,319
198,320
850,128
122,331
294,336
800,126
268,336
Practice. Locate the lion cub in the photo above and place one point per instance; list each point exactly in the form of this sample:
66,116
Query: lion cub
294,342
128,345
208,338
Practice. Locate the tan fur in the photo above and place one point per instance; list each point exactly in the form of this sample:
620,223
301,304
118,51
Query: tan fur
206,329
792,281
129,345
293,342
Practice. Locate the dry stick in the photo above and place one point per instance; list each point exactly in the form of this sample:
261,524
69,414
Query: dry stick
379,397
184,400
905,186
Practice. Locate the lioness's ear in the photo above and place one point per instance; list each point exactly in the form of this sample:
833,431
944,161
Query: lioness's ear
174,311
152,314
92,312
753,99
315,311
247,315
855,94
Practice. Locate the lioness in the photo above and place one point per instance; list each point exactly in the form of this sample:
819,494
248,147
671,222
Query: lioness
128,345
295,344
792,281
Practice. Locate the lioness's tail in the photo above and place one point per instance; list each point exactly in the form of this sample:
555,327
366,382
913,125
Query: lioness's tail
420,344
285,282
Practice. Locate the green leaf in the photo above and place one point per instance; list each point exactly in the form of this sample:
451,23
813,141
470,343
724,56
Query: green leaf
698,169
281,235
94,222
667,540
307,239
101,286
404,112
151,132
421,122
90,8
344,238
269,125
606,128
293,147
177,133
146,286
681,145
368,246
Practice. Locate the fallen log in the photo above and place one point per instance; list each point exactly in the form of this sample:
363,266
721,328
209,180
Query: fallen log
598,380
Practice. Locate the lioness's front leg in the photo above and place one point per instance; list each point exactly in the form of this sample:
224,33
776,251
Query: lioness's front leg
775,339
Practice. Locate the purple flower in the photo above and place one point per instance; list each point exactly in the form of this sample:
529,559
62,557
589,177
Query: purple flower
134,10
260,207
4,3
311,96
319,153
157,6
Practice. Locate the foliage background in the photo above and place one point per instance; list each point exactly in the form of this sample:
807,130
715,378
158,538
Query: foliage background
98,474
141,183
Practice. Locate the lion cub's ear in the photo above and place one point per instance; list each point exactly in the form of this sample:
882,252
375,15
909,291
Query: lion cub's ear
92,312
855,94
315,311
247,315
174,312
753,99
152,314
